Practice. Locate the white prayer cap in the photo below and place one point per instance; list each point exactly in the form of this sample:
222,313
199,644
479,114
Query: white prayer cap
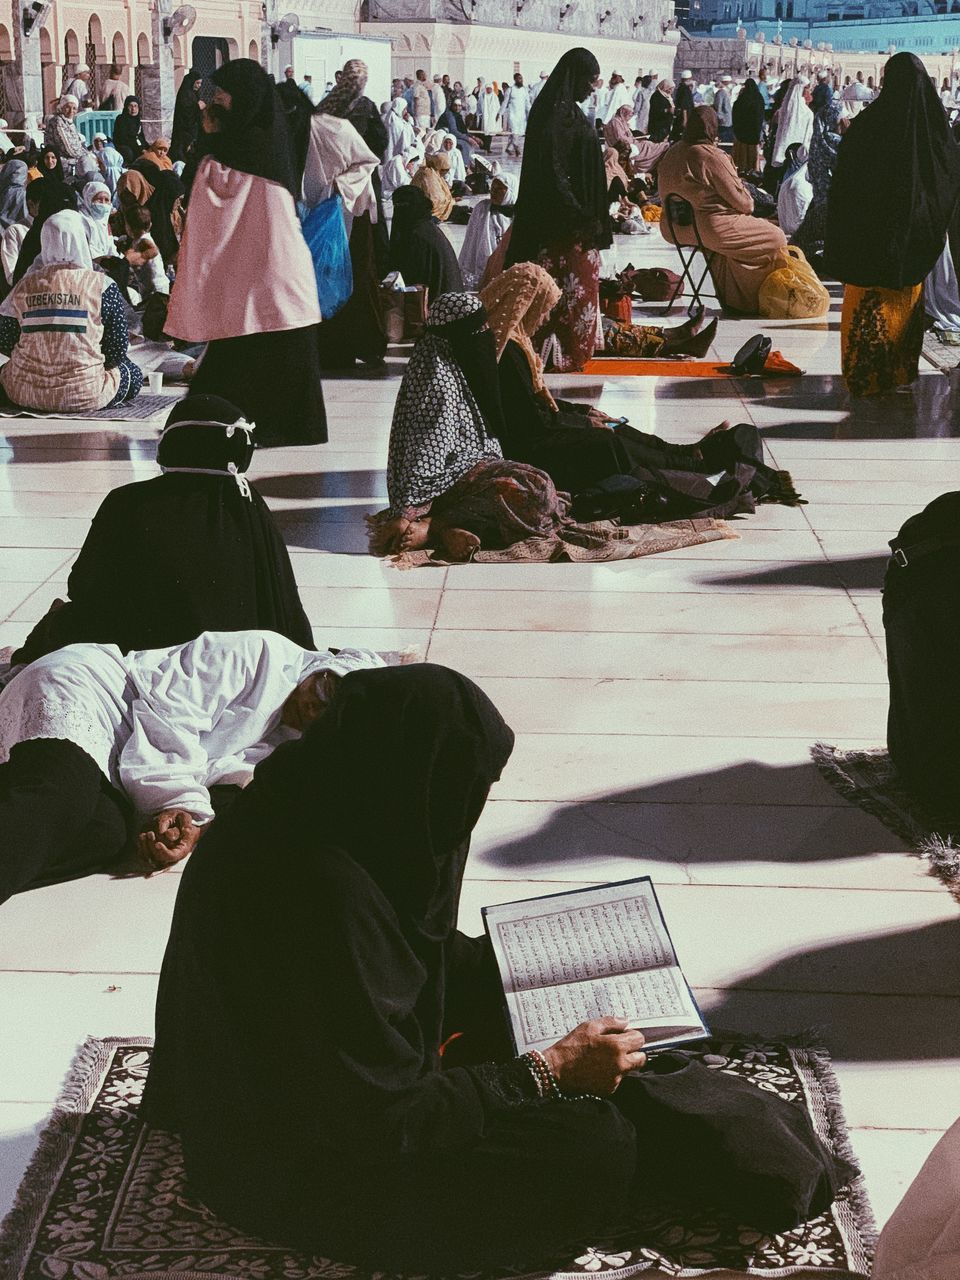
822,75
544,75
726,79
686,75
69,100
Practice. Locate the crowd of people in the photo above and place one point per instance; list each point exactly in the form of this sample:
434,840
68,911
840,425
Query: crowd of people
314,932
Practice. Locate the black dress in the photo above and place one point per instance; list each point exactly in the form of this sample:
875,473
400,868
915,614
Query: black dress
576,455
661,118
419,249
312,973
169,558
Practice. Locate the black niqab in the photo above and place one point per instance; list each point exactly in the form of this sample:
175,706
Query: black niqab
749,113
563,186
255,135
419,249
167,559
309,942
896,184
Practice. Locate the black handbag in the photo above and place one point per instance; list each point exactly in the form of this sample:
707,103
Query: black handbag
619,497
752,356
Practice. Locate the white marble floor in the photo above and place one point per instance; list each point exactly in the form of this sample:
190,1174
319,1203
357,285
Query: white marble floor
664,711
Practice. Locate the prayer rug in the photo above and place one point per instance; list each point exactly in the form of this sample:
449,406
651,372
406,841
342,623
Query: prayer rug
105,1198
598,540
869,780
139,410
618,366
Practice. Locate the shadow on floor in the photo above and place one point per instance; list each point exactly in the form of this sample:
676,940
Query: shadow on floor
302,530
325,484
79,446
780,998
749,812
854,573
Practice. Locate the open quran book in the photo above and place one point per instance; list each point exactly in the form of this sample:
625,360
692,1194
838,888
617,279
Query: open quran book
591,953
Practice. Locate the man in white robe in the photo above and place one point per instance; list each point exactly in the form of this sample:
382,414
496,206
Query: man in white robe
515,109
159,727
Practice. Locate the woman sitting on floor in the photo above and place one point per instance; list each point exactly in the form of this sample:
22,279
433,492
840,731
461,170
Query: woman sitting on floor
745,249
419,250
312,974
199,534
447,482
65,330
489,220
90,740
578,446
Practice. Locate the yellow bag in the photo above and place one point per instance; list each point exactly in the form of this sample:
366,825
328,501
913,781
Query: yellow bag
792,291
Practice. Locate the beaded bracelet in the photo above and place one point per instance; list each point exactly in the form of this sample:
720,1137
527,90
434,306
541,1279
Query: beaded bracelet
548,1086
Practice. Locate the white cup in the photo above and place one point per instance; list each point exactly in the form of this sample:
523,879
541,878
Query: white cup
155,382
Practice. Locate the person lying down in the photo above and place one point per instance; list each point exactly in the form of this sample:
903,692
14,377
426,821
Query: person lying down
92,742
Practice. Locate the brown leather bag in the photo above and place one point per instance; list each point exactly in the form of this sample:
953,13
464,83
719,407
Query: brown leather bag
404,313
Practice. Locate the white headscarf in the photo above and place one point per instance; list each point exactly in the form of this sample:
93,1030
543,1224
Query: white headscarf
63,241
794,123
485,230
619,96
101,242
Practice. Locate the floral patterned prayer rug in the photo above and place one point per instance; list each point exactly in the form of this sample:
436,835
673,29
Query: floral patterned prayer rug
105,1198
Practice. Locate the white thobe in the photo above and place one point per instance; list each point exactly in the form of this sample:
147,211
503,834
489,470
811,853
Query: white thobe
516,108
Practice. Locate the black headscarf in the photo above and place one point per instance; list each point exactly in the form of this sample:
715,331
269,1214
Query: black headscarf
255,135
186,117
896,184
190,551
56,173
419,250
309,939
563,187
749,114
53,197
167,190
821,97
128,136
475,351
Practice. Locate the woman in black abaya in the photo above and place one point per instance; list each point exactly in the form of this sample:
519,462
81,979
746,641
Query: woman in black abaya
128,135
186,116
749,117
312,974
246,284
193,550
894,193
419,248
561,219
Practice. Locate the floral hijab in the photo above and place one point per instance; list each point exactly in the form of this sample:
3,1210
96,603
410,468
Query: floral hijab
517,304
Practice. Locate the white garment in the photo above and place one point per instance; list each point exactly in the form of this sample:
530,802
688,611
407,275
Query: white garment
152,276
794,123
339,159
535,88
164,725
489,111
393,175
619,96
641,107
10,244
485,230
793,201
941,293
63,241
516,108
101,242
400,133
458,170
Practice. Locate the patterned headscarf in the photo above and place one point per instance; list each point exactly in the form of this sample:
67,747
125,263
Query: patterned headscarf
518,302
350,87
435,189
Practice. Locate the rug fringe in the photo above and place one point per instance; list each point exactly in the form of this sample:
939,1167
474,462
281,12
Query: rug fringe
54,1146
939,851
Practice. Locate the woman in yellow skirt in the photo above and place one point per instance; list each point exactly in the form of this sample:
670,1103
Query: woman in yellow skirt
894,194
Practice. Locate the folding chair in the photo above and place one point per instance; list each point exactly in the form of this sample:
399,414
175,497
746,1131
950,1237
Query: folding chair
678,212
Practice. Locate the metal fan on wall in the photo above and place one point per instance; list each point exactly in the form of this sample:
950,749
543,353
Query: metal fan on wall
179,22
285,28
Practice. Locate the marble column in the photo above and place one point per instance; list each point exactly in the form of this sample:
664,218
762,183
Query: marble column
24,76
159,89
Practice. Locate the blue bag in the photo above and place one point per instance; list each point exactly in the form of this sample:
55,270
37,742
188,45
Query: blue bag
326,238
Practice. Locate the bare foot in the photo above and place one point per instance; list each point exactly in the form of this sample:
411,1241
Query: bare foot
390,533
415,536
458,544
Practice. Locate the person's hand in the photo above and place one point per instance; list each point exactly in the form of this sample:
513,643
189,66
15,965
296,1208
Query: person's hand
167,838
209,121
597,418
594,1057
